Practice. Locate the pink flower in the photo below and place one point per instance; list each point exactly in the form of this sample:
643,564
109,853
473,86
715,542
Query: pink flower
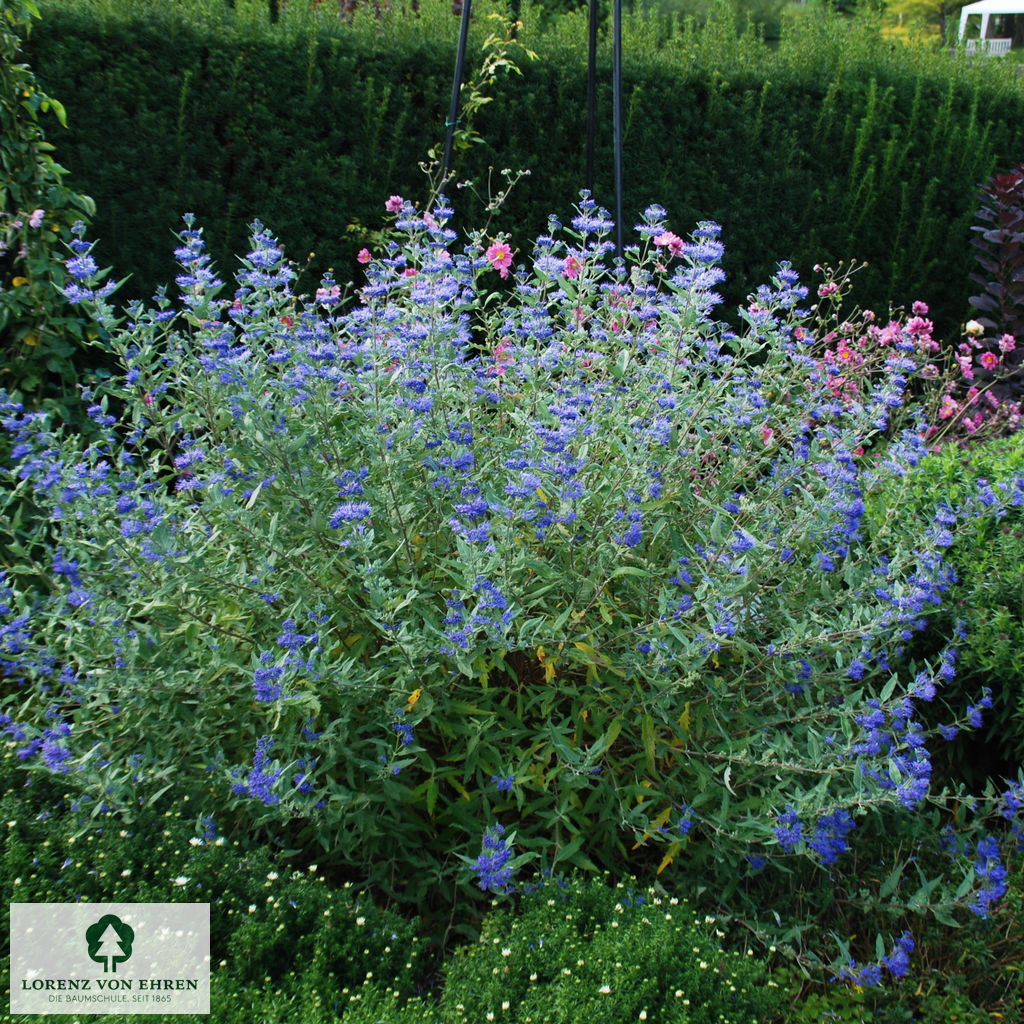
827,289
394,204
572,267
920,309
673,242
1007,343
948,408
329,296
36,219
500,256
889,333
364,256
501,356
920,327
766,434
989,360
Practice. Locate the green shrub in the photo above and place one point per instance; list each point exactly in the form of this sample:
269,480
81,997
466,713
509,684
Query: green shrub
289,948
40,335
282,940
988,558
583,950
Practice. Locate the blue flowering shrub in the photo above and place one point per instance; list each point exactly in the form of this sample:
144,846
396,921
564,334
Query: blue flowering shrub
502,560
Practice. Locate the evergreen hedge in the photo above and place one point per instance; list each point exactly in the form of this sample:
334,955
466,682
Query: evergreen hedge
836,144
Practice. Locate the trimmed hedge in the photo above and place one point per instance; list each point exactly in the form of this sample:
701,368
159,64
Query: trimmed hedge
836,145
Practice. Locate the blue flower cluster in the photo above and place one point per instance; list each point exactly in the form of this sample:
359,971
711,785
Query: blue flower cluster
262,777
492,867
991,875
897,963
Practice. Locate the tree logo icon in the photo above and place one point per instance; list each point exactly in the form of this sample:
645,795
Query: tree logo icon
110,942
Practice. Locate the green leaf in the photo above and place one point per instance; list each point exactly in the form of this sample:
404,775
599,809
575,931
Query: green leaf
889,688
888,887
647,736
944,915
567,852
561,745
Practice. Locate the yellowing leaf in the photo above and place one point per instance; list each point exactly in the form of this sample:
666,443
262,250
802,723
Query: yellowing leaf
17,282
413,698
657,823
669,857
31,339
417,544
549,671
685,721
662,818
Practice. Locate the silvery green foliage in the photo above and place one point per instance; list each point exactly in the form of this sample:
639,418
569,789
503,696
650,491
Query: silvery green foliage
565,555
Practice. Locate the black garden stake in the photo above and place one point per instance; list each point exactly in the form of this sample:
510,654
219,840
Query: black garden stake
616,107
617,119
591,93
453,110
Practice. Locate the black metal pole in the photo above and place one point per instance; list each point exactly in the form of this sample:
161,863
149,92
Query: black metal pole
591,94
617,120
453,110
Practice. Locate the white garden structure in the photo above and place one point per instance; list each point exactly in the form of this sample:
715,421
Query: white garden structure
985,9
